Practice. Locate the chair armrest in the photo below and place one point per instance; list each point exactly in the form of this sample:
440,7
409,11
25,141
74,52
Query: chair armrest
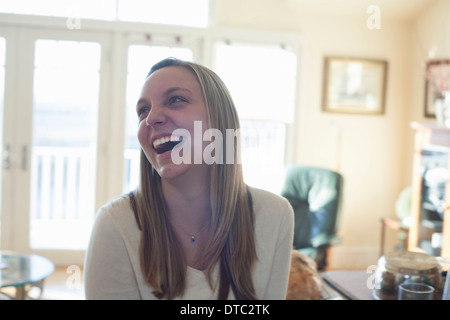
323,239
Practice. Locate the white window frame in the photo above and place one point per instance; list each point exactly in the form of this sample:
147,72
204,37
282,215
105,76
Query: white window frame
9,189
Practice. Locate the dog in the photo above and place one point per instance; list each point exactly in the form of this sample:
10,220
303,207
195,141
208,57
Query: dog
305,282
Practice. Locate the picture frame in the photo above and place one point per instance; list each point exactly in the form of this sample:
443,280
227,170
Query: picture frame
437,75
354,85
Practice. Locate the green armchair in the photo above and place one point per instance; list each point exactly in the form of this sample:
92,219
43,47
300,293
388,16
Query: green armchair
315,195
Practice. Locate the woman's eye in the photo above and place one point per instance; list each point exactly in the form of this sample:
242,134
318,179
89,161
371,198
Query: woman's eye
176,99
143,112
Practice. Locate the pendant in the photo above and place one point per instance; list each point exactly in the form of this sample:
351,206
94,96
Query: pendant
192,239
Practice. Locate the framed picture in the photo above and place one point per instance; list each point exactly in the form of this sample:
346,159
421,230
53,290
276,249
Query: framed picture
354,85
436,84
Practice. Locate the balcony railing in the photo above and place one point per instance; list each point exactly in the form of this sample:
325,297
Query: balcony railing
63,193
62,196
63,183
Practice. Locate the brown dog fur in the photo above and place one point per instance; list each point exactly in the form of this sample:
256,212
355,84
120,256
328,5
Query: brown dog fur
305,282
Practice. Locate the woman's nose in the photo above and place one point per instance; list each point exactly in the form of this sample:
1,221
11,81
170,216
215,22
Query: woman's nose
155,117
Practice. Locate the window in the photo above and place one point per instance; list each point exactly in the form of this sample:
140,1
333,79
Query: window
262,81
66,84
150,11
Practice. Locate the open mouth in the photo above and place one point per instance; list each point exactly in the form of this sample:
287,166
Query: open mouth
165,144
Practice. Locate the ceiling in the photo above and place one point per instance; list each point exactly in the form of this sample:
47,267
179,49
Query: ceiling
402,10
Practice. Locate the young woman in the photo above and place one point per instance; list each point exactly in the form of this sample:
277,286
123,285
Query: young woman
191,230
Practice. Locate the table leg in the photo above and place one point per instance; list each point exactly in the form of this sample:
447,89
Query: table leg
20,293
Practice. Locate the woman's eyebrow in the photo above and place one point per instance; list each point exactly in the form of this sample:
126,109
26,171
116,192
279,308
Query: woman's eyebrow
173,89
142,100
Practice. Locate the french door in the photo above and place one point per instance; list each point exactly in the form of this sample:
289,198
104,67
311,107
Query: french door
54,105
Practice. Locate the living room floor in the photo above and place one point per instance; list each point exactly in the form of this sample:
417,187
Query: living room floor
62,285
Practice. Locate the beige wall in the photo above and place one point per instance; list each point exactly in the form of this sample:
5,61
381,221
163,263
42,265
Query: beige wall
375,150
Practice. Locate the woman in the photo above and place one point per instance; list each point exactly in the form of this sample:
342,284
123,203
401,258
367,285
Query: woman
191,230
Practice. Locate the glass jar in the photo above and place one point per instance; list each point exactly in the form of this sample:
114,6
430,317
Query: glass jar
405,266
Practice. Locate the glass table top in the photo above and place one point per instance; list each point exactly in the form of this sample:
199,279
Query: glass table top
17,269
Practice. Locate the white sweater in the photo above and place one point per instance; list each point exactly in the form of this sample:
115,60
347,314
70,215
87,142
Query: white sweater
112,265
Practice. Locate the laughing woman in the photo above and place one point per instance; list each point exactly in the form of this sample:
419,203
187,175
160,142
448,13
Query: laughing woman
191,230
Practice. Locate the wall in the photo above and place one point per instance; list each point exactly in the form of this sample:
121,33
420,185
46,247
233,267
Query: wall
373,151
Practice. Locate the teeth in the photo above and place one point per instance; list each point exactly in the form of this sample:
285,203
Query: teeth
162,140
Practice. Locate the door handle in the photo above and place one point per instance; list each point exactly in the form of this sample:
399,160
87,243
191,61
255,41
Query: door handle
6,157
24,157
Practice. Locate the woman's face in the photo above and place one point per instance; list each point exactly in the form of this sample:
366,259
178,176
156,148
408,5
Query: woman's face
171,99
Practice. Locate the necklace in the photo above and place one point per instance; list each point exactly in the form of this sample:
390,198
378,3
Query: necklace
193,235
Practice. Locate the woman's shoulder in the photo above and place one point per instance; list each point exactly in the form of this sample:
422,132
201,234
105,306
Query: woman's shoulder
120,203
267,201
274,217
119,212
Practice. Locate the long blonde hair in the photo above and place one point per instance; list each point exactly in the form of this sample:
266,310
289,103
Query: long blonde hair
231,239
